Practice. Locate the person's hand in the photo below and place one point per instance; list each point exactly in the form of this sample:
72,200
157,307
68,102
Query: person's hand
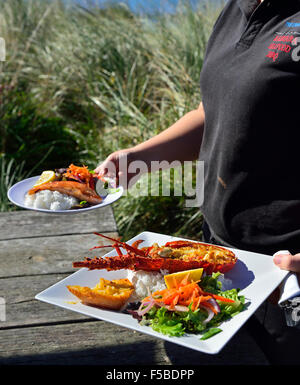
285,261
116,166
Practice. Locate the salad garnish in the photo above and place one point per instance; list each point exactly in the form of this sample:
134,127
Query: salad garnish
190,307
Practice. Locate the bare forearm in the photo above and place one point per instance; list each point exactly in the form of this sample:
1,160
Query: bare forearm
181,141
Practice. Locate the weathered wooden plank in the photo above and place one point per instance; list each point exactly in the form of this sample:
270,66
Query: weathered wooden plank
44,255
26,223
22,309
101,343
96,343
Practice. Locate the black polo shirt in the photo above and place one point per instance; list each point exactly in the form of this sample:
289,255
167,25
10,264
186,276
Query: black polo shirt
250,83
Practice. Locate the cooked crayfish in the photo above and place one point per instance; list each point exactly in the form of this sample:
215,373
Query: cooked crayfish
173,256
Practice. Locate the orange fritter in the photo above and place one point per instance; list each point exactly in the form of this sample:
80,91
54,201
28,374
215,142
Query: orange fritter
106,294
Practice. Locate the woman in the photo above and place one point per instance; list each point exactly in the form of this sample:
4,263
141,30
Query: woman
248,131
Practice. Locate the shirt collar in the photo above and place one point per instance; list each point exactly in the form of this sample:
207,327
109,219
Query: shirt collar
248,6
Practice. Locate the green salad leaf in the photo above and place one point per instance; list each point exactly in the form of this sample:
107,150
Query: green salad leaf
177,323
211,332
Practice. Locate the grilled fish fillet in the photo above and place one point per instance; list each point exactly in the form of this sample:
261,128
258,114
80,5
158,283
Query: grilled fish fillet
77,190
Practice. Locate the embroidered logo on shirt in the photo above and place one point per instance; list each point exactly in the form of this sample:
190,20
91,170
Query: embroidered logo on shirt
285,43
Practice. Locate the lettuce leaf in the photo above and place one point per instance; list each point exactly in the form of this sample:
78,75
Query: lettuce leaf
211,332
166,322
210,283
174,323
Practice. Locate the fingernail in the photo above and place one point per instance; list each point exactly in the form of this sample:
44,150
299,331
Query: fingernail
277,257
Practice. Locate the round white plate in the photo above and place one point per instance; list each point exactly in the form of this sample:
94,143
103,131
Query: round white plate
16,194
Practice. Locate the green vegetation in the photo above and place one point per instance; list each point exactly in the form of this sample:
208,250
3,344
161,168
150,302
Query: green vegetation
80,83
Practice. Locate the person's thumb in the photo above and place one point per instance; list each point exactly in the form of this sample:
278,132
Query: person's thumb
286,261
107,167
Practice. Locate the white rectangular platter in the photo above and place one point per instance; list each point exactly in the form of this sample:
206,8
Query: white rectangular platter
255,274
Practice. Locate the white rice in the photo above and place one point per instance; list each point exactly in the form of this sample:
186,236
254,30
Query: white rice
50,200
144,282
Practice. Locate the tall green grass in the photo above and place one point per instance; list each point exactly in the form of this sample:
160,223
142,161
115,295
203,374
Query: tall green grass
79,83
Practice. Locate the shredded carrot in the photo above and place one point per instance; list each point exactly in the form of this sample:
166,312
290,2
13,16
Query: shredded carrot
168,297
175,300
220,298
184,294
185,280
187,294
210,306
77,172
198,302
175,283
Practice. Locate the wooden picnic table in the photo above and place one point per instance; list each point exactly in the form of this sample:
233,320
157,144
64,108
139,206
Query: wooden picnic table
36,251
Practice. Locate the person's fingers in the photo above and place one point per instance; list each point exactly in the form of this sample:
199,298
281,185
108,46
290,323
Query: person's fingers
107,168
101,169
115,167
286,261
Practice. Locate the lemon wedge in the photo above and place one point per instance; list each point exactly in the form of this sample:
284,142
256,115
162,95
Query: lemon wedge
46,176
172,280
